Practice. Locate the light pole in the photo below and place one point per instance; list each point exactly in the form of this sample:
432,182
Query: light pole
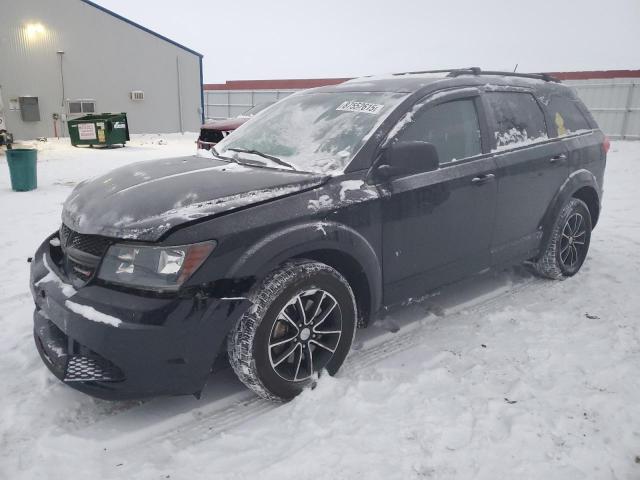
60,54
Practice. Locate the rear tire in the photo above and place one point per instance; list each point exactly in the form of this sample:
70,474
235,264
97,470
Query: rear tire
568,245
302,322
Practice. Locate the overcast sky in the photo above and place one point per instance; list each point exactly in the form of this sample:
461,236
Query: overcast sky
256,39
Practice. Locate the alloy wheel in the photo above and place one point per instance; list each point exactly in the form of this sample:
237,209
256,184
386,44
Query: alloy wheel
573,242
305,335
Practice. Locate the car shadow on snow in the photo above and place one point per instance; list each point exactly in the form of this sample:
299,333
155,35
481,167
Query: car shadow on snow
224,395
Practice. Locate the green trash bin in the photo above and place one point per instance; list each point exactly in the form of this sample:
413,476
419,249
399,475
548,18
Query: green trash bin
101,129
23,168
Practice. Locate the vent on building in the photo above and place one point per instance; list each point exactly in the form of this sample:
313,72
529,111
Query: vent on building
78,107
136,95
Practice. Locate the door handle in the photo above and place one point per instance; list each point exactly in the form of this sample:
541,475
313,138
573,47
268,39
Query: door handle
483,179
558,158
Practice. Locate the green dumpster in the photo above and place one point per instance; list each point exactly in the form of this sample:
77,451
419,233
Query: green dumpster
23,168
102,129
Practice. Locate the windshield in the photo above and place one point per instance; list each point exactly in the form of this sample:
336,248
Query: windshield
313,132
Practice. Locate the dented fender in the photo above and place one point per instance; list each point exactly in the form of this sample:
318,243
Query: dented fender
296,240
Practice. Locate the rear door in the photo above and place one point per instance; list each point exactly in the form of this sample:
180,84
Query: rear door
437,225
531,167
583,142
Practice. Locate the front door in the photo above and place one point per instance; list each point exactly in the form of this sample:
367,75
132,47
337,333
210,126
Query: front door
437,226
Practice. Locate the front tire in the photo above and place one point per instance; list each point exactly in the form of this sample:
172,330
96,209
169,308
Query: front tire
302,322
567,247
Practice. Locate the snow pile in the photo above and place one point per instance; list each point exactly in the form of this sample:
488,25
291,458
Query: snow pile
500,376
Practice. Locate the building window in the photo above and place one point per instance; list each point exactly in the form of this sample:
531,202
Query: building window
77,107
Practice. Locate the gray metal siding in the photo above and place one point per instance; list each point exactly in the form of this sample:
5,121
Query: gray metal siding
230,103
105,58
614,103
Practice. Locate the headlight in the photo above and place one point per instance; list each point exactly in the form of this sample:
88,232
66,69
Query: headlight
157,268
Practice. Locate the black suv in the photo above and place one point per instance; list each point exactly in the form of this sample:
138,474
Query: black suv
305,222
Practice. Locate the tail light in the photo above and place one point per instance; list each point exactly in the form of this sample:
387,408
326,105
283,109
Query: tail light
606,145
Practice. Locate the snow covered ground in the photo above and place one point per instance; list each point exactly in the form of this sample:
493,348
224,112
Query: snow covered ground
501,376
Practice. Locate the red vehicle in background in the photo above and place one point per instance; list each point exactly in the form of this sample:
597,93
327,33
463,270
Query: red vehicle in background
213,132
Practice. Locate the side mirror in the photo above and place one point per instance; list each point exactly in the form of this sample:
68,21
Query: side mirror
408,158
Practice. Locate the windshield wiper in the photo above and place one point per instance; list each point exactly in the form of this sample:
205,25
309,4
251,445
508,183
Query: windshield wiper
264,155
229,159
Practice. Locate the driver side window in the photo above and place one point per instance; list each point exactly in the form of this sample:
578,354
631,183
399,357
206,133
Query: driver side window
451,127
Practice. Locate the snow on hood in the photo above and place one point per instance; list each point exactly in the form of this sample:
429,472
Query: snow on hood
144,200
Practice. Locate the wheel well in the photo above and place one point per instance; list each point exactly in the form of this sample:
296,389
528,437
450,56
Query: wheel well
352,272
589,196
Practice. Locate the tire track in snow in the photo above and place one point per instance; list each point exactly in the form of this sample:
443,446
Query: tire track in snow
217,421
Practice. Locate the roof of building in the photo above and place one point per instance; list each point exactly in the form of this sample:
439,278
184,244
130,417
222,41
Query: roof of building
143,28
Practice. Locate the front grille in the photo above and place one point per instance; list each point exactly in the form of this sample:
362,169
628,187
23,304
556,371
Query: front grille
92,244
82,253
70,360
82,368
83,272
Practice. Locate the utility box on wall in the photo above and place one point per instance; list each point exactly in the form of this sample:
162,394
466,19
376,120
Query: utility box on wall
29,109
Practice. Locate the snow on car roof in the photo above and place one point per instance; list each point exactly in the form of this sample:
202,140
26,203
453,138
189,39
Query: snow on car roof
411,82
384,83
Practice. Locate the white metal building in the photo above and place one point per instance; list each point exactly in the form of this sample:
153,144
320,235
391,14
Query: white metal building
60,59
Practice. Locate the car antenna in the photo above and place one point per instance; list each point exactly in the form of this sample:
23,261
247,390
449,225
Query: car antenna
515,68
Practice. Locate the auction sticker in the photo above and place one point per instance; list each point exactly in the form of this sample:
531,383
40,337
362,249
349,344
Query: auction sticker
87,131
352,106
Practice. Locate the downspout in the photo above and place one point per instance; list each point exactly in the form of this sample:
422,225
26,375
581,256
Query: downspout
179,94
201,92
61,117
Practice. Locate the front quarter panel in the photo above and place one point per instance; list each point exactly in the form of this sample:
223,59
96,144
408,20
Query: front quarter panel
343,215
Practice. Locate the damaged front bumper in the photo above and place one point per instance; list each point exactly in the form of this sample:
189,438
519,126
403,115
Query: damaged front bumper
125,345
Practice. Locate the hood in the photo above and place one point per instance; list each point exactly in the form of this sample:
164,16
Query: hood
225,125
144,200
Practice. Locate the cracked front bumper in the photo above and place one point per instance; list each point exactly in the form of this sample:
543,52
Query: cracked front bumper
163,345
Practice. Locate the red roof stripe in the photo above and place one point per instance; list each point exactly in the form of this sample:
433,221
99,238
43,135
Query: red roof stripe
594,74
283,84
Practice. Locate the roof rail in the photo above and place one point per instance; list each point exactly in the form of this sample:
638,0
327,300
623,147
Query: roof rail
446,70
476,71
455,72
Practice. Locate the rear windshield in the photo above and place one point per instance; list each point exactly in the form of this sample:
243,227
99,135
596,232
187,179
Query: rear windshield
318,132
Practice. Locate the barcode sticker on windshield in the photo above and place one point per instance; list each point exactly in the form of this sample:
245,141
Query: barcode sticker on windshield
351,106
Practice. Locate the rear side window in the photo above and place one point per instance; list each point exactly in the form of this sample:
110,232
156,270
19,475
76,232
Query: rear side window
518,118
451,127
567,117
